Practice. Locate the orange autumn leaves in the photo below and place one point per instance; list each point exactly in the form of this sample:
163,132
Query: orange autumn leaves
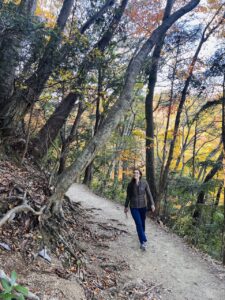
145,16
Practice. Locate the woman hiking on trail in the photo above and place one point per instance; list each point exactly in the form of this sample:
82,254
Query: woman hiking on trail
136,191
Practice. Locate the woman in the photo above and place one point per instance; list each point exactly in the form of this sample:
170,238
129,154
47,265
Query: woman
136,191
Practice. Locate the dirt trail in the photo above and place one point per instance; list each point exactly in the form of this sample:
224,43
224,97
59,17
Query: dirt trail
180,271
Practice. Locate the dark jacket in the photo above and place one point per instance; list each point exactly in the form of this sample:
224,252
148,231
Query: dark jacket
136,195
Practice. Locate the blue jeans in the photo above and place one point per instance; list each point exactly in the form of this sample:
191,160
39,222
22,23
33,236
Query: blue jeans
139,216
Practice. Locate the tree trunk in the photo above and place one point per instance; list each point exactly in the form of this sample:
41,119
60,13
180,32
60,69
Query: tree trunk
213,153
62,159
194,151
10,50
66,142
51,129
150,161
88,172
46,136
185,144
201,195
164,151
28,7
117,111
216,204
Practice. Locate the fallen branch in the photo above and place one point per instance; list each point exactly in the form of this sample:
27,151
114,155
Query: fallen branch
13,198
30,295
151,289
20,208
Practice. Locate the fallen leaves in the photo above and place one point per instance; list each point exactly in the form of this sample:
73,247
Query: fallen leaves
78,244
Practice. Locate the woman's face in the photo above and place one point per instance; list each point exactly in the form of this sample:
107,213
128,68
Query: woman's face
136,175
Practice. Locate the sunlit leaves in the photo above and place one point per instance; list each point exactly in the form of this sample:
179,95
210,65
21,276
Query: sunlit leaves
145,16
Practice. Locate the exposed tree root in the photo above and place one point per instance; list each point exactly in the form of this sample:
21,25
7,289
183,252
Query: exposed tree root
24,207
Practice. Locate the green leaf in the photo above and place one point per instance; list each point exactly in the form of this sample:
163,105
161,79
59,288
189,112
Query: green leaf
6,285
13,277
21,289
7,296
78,262
218,217
139,85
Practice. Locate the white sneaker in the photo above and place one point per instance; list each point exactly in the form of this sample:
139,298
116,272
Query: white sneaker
143,246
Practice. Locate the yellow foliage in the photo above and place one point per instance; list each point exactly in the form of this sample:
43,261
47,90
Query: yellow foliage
15,1
48,15
139,133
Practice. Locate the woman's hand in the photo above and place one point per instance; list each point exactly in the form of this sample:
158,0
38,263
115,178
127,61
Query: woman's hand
125,210
153,207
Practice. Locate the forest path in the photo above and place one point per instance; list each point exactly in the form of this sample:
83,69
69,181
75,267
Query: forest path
179,270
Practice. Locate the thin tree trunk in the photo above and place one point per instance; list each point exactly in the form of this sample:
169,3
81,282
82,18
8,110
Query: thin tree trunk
88,172
150,161
117,111
185,143
218,194
201,173
124,174
194,151
66,142
201,195
184,147
27,135
160,189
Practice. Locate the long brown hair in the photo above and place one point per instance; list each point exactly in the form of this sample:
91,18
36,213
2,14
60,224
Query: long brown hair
132,185
133,179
